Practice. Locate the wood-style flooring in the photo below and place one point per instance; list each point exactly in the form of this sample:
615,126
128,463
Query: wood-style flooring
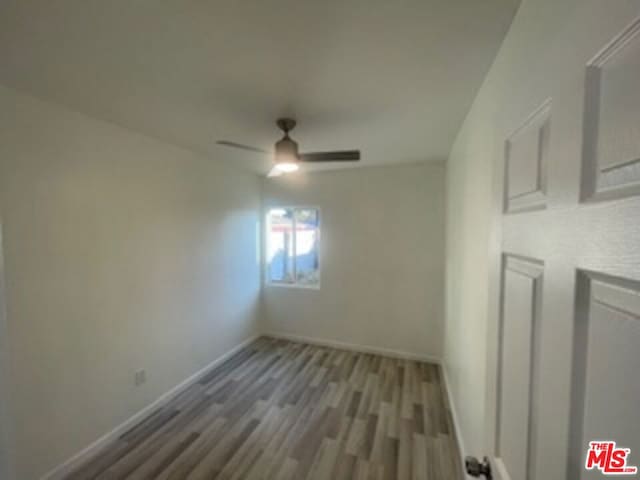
285,410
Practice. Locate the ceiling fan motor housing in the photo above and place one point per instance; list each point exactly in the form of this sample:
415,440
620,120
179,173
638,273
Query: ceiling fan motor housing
286,150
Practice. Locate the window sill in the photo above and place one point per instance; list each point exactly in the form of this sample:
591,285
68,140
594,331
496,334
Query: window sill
293,285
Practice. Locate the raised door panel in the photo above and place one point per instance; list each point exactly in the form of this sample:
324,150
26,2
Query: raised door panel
612,119
526,153
518,345
607,391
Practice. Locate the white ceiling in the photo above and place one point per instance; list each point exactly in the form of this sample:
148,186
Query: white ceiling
392,78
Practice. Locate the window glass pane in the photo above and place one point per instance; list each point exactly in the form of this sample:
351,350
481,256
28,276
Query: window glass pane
307,239
280,246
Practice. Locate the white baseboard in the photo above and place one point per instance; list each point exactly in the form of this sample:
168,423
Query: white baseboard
87,453
355,347
454,417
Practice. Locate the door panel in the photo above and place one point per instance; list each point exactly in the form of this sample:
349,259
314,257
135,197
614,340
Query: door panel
518,365
606,365
612,119
526,162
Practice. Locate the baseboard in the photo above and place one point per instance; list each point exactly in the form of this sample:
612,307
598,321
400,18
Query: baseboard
454,417
87,453
388,352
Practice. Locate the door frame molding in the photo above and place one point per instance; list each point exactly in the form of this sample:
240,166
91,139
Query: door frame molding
6,466
494,313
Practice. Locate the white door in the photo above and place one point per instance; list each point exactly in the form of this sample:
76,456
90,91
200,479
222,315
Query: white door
566,364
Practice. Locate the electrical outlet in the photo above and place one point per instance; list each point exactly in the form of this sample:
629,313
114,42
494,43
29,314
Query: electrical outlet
140,377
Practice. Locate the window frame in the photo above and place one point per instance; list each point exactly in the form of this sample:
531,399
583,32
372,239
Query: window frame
270,283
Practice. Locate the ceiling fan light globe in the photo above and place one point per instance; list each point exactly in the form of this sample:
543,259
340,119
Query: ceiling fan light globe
287,167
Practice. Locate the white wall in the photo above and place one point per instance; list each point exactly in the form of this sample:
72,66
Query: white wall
382,267
121,253
543,56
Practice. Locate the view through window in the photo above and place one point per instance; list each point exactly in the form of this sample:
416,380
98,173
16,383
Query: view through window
293,241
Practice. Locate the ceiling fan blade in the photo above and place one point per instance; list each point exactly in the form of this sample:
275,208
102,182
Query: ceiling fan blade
274,172
337,156
240,145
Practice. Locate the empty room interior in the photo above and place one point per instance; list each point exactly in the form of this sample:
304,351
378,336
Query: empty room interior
324,240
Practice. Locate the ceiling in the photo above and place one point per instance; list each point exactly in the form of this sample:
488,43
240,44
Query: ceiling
393,78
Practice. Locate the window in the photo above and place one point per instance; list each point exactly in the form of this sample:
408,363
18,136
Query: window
293,242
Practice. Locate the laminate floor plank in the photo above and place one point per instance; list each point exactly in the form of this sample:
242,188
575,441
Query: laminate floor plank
293,411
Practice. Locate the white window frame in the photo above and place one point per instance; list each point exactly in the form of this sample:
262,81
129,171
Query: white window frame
268,281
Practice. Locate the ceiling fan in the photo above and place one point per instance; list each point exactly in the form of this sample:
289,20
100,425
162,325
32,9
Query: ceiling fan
286,155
